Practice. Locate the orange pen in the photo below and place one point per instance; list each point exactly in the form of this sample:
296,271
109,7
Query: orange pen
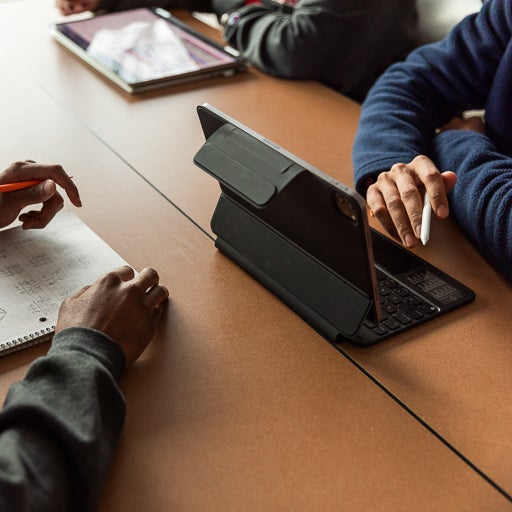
19,185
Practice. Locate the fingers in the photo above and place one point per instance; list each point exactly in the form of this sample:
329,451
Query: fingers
450,179
30,170
67,7
396,202
45,193
148,279
124,306
52,204
396,197
379,210
126,273
435,186
147,282
156,296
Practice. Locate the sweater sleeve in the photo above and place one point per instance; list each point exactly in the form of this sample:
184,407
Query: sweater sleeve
436,82
60,425
481,201
344,44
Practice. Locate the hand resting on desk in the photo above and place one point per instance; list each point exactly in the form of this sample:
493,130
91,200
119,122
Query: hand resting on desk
124,307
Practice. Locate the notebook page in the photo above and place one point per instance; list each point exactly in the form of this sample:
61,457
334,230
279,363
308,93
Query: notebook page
39,268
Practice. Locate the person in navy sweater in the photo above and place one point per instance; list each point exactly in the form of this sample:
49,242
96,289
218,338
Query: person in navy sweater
415,134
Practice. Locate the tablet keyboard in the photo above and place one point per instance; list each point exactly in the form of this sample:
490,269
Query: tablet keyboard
400,306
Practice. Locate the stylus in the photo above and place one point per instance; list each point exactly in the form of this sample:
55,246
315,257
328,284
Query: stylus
19,185
425,220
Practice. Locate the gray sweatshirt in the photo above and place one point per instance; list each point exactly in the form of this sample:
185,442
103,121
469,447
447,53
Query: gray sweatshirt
60,425
346,44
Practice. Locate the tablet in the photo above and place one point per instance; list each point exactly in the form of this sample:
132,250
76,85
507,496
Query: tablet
306,237
144,49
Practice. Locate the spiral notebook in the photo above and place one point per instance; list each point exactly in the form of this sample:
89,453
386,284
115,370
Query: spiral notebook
40,268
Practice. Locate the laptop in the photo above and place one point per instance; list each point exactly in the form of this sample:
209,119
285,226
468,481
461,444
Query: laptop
306,237
145,49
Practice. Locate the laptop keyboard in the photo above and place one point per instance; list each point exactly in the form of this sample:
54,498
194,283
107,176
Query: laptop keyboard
400,306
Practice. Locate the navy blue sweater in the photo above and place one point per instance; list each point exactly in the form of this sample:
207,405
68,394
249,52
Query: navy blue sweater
470,69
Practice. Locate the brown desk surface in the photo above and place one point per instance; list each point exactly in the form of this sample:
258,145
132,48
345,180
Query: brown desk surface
260,424
226,411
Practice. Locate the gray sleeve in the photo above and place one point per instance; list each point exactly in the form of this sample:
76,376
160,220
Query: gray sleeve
344,44
59,426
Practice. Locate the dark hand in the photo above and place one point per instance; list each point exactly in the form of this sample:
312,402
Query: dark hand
11,203
124,307
396,198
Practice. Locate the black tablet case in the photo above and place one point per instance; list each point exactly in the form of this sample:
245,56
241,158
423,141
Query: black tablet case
269,210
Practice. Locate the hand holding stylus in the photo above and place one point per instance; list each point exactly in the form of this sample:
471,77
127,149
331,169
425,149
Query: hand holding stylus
396,199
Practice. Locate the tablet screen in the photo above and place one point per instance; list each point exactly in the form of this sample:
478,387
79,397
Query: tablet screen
141,45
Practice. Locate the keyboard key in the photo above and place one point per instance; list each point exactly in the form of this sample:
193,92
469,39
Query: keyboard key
392,324
395,299
388,307
403,318
389,283
400,306
427,308
383,290
412,311
403,292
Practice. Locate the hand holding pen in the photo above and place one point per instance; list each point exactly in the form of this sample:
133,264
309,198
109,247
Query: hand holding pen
397,198
29,183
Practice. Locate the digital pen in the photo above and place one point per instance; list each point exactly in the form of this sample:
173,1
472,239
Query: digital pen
425,220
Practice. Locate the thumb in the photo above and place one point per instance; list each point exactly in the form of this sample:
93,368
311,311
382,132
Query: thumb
34,195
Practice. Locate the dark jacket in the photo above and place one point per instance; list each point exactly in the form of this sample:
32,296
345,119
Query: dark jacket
346,44
59,426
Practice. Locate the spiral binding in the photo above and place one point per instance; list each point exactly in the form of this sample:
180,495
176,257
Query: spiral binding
28,340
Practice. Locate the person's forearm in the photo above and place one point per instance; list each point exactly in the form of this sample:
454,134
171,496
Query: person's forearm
325,40
481,201
60,425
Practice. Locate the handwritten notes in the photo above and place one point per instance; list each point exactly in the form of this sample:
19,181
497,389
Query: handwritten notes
39,268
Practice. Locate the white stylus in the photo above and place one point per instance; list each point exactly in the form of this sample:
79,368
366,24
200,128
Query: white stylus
425,220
